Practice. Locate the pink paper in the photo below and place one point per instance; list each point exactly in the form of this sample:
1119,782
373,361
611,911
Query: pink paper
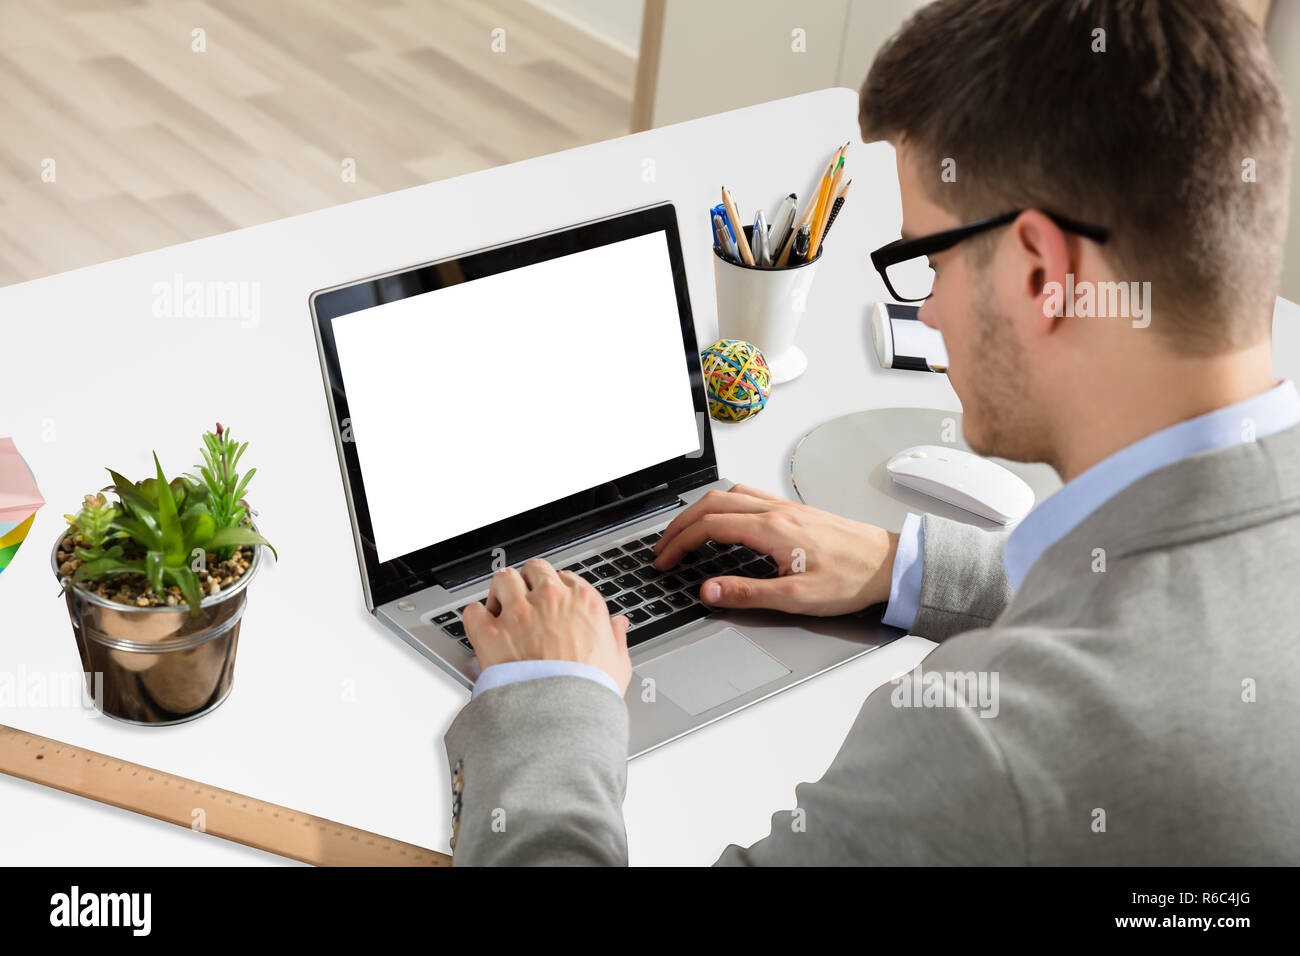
19,496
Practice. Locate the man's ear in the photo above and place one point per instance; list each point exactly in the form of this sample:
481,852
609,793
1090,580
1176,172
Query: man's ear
1045,258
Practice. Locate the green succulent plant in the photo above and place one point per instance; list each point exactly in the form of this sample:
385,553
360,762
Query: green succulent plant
94,526
224,486
163,530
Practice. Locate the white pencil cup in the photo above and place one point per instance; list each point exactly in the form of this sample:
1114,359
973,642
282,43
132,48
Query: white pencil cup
763,307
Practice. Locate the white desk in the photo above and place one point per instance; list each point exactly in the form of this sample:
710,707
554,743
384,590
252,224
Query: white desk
330,713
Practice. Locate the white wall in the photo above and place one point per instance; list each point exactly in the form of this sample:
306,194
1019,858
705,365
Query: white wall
725,54
616,21
870,24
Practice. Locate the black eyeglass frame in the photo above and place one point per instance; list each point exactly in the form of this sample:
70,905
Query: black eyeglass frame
900,250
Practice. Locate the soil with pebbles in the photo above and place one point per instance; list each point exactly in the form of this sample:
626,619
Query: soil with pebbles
135,589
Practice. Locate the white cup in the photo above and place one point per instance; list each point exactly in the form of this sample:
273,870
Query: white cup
763,307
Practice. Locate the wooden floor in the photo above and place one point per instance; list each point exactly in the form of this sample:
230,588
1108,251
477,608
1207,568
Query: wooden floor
154,144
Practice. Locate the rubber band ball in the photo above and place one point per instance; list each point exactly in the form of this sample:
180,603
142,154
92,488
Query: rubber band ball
737,380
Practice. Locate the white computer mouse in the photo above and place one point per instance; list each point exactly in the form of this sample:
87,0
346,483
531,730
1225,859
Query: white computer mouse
964,479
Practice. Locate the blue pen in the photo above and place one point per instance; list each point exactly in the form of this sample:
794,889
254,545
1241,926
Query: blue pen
719,225
721,210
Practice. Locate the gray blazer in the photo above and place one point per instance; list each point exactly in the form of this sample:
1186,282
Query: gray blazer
1147,706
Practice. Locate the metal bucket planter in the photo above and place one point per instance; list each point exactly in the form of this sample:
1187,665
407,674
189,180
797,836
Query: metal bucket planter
159,665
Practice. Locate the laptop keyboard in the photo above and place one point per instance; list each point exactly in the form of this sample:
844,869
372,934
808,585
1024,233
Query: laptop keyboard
654,601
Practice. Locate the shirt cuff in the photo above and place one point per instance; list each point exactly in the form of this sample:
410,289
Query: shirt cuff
905,584
511,672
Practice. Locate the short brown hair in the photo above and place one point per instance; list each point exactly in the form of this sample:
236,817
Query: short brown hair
1153,139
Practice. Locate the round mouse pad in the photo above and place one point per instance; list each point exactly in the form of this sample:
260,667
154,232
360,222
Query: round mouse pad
840,466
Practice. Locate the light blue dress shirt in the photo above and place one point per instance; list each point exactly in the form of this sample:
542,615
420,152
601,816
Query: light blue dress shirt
905,583
1256,417
513,671
1264,414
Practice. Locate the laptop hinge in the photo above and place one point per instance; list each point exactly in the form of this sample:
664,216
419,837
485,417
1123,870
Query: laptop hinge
456,574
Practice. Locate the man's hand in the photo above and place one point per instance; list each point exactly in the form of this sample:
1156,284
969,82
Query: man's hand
541,614
829,565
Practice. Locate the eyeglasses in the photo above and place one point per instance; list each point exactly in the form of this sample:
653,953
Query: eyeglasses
904,266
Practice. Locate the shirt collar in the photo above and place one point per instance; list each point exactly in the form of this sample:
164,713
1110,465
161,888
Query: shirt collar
1264,414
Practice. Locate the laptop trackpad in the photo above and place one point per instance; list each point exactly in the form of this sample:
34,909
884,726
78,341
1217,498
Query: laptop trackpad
712,671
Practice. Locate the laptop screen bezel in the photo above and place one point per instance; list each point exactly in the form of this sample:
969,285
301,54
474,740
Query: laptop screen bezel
403,575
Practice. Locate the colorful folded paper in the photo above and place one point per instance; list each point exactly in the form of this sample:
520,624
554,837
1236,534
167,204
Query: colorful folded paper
19,501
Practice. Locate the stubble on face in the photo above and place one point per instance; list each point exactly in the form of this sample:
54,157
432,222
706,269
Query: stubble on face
1000,419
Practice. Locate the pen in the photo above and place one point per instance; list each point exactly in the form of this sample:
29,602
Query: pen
728,244
782,223
721,210
729,228
762,252
800,246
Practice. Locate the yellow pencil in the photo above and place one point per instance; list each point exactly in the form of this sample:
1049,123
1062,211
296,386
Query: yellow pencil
805,216
823,197
742,243
825,213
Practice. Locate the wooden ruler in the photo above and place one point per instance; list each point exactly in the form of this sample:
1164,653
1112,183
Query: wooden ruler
225,814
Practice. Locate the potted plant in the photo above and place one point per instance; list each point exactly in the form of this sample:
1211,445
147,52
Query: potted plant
156,585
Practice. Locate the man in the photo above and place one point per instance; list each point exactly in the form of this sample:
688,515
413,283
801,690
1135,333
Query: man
1139,624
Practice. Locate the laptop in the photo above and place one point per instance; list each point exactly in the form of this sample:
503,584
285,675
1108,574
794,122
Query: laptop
543,398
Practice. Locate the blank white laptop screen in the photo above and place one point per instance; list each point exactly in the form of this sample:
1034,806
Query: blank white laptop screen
479,401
